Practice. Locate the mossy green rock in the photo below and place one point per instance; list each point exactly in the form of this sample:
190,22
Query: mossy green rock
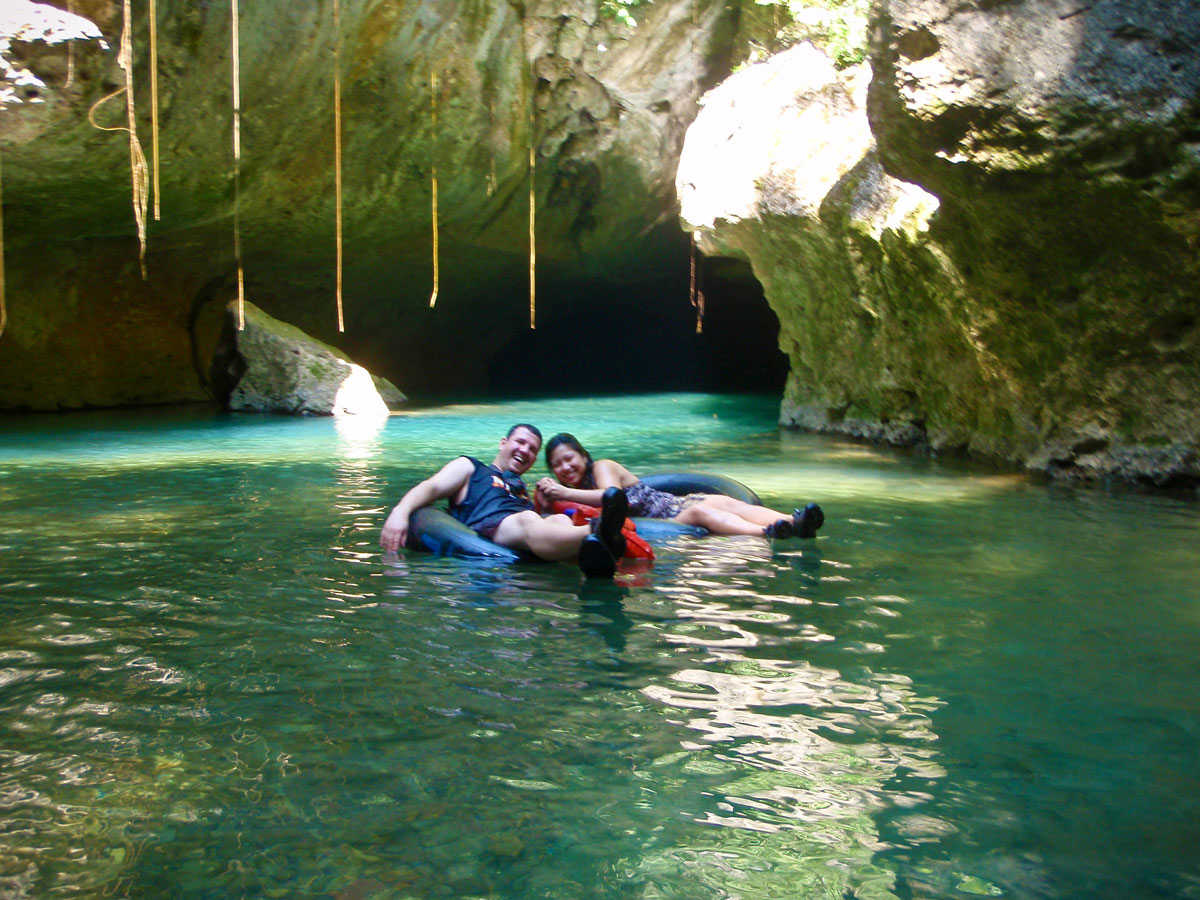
1060,140
264,365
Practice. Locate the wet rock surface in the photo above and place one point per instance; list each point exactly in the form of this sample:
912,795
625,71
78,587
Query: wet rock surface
985,244
264,365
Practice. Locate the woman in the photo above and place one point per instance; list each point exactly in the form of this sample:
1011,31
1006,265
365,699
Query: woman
583,480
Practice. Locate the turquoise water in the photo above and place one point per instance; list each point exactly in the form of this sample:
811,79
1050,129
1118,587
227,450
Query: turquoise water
211,684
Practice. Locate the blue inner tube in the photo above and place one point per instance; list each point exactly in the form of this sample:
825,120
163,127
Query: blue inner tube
434,530
700,483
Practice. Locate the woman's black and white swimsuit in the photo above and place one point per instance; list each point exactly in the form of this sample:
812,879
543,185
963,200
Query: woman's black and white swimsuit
651,503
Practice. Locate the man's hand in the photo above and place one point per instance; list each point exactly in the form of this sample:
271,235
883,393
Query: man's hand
395,531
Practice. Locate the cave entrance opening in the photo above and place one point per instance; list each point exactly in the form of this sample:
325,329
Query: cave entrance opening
602,337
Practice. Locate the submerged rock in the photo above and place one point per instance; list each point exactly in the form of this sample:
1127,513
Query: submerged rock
271,366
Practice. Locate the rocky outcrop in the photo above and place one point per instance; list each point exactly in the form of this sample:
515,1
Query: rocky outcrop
1003,261
1060,140
264,365
780,169
997,257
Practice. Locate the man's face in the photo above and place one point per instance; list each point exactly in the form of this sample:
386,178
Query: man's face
519,450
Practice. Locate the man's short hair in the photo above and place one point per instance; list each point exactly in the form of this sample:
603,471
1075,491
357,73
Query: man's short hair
530,428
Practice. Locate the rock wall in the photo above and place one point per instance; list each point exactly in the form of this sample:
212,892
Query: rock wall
993,250
602,105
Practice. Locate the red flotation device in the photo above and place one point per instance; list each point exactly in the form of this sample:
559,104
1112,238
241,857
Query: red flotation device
581,514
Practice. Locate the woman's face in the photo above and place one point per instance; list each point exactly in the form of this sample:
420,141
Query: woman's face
568,465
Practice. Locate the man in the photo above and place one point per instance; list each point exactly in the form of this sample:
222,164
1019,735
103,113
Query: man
492,501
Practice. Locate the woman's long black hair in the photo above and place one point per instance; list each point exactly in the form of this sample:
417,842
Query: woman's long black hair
571,441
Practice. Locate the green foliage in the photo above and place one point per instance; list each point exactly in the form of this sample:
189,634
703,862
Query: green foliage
839,27
621,10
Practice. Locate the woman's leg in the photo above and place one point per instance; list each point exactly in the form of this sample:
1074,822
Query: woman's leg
759,515
717,520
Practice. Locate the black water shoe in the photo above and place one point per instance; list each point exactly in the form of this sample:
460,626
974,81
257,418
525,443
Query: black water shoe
594,559
614,507
779,529
806,521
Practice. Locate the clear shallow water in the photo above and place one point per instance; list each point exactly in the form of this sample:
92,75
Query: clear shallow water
211,685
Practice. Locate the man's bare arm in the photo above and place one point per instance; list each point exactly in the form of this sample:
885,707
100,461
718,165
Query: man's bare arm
447,482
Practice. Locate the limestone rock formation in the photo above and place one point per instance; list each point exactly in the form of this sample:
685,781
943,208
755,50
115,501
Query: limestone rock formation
990,248
270,366
780,169
1060,138
1003,259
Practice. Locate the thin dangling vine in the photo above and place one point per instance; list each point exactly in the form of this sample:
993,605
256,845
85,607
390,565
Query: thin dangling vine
694,293
433,112
70,52
529,104
137,159
532,237
3,308
154,101
337,154
235,53
491,181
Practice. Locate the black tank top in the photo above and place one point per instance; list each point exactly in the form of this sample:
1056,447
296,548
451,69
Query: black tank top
492,495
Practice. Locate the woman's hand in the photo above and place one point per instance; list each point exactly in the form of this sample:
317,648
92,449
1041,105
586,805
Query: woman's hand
549,489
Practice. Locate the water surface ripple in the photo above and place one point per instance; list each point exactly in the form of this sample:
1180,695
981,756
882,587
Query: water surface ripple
212,685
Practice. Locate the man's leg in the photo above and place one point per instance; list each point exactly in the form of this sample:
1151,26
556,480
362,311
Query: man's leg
553,537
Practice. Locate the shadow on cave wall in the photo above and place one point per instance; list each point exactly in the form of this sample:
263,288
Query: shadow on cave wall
597,337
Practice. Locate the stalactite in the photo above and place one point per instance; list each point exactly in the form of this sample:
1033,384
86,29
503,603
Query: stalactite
433,111
235,53
137,159
154,101
337,152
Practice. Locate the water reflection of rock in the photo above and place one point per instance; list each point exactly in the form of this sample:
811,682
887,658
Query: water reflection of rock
803,753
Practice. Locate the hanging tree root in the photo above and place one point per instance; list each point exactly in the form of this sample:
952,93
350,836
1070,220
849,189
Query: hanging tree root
137,159
337,153
433,111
